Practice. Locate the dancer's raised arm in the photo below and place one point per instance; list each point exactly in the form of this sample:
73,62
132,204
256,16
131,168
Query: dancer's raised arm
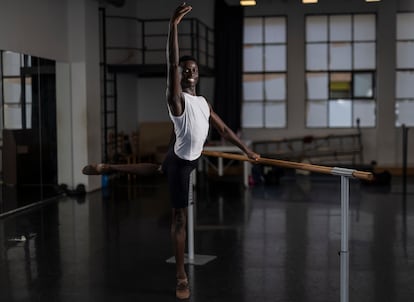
174,96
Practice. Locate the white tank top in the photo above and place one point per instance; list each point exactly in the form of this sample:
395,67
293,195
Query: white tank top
191,128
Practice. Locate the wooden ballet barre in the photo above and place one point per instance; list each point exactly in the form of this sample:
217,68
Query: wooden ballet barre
294,165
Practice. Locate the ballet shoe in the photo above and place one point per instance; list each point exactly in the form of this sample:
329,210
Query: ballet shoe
182,291
95,169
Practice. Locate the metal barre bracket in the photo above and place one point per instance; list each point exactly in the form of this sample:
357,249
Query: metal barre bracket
343,171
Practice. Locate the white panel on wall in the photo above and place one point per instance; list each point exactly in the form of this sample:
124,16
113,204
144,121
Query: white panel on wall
340,28
253,87
365,111
253,58
252,115
340,113
317,86
340,54
364,55
253,30
275,86
405,24
405,51
364,27
404,83
317,56
275,58
275,30
317,114
275,114
316,28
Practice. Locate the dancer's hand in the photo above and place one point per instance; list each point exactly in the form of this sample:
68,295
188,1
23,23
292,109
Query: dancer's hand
253,155
180,12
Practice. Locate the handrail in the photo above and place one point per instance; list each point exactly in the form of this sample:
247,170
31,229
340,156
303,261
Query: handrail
294,165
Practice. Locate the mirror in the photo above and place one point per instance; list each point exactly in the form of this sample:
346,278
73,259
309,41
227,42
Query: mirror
28,142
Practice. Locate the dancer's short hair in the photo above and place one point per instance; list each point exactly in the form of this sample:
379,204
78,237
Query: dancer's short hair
187,58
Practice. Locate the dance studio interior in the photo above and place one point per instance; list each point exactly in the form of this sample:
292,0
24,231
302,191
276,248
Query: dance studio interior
323,90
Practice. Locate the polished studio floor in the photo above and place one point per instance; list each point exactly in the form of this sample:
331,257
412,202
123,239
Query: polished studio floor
272,242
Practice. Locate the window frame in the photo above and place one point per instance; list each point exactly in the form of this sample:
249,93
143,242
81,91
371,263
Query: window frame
265,73
326,42
404,70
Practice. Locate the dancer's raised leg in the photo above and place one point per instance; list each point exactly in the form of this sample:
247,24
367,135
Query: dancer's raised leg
144,169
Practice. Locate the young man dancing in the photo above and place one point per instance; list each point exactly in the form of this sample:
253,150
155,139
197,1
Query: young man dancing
191,115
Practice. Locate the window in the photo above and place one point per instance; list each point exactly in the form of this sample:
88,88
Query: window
16,90
264,72
404,105
340,70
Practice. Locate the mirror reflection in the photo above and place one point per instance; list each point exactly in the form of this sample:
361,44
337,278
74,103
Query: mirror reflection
28,130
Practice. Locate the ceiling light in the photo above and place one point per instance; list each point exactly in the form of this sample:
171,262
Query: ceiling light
309,1
247,2
372,0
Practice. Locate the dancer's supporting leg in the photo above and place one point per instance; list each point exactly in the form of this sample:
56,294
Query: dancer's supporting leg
178,236
144,169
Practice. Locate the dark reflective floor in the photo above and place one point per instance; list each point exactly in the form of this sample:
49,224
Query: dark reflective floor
272,243
14,197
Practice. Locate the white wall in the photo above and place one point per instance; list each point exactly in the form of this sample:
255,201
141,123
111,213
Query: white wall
38,28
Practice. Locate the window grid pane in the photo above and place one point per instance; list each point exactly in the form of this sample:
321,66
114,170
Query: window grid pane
252,115
340,113
365,112
364,28
317,86
350,50
275,86
340,56
275,115
275,58
317,29
317,56
253,30
317,114
253,87
253,58
404,110
364,55
405,51
275,30
340,28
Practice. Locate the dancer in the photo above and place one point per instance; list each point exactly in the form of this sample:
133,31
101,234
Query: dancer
191,115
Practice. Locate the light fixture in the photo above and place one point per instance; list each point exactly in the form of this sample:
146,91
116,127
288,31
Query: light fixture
309,1
372,0
247,2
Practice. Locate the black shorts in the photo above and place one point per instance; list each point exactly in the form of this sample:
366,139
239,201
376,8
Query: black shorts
178,173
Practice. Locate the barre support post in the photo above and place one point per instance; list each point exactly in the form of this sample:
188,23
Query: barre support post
344,253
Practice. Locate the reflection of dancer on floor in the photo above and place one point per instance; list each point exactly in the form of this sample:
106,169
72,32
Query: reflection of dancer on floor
191,116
